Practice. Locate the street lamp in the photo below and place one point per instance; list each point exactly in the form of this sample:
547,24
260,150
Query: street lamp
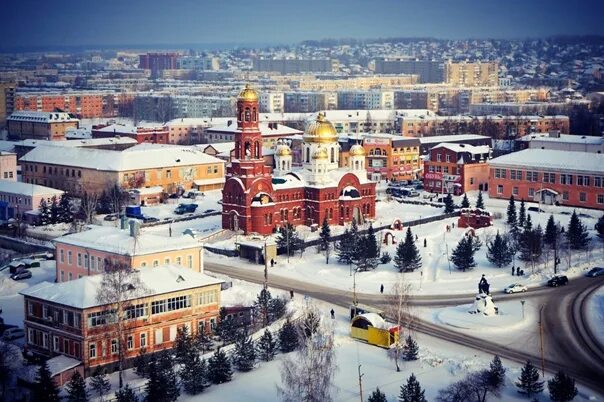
522,302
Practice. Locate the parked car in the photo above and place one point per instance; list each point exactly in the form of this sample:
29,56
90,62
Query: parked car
4,327
596,271
25,274
535,209
111,217
558,280
13,333
193,194
515,288
149,219
185,209
45,255
209,211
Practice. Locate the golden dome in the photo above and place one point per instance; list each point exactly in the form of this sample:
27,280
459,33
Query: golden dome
248,94
321,130
357,150
320,153
283,150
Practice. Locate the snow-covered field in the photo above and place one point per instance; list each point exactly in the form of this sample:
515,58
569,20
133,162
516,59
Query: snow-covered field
595,314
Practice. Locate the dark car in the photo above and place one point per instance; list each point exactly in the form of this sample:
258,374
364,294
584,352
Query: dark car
111,217
149,219
185,209
535,209
26,274
558,280
597,271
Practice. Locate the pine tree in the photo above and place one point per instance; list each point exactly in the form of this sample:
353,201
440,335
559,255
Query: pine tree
226,328
99,383
65,214
480,201
276,308
44,210
203,341
407,256
577,235
288,239
288,337
371,247
325,236
44,389
345,248
366,252
465,203
219,367
528,223
193,374
267,346
521,213
410,349
261,306
449,204
245,353
377,396
551,232
528,382
141,363
496,374
600,227
55,212
463,254
498,252
562,388
162,385
76,388
125,394
512,220
412,391
184,345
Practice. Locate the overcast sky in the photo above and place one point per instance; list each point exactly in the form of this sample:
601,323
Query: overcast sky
148,22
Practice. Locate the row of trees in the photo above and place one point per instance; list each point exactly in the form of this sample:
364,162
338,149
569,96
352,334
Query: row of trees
57,210
358,249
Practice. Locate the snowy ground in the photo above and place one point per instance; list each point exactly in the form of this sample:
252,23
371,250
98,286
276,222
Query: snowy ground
595,314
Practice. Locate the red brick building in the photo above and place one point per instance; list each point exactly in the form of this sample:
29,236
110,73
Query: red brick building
255,201
84,105
66,318
550,177
150,135
457,167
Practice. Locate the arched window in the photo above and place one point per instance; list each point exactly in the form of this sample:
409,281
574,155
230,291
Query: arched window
248,151
257,150
254,115
356,164
333,155
247,114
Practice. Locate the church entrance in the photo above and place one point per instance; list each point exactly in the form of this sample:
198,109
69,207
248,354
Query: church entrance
356,214
234,221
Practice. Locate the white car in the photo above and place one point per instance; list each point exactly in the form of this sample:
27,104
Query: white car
515,288
13,333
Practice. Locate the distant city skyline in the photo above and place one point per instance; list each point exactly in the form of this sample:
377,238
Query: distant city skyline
69,23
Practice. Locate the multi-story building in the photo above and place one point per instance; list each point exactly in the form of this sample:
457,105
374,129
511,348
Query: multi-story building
562,142
113,143
142,134
429,71
67,319
294,66
365,99
196,106
40,125
76,170
270,133
550,177
8,166
17,199
467,74
208,63
416,99
310,83
254,201
157,62
427,143
365,121
7,101
309,102
272,102
86,253
391,157
457,168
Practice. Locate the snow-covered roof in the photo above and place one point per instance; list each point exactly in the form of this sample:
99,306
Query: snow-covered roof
220,147
375,320
265,130
26,189
117,241
81,293
148,190
61,363
89,142
142,156
42,117
373,114
551,159
566,138
118,128
436,139
203,182
474,150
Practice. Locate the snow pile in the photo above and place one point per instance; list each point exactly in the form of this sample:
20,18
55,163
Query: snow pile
483,304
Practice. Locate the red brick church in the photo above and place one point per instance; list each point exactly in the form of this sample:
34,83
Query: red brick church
257,200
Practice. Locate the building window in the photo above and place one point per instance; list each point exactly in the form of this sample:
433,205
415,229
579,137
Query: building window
167,261
448,158
69,257
130,342
499,189
583,197
600,198
155,263
515,190
114,346
565,195
79,261
598,181
55,344
178,260
471,180
190,261
531,192
159,336
92,350
62,256
85,261
438,157
62,276
143,340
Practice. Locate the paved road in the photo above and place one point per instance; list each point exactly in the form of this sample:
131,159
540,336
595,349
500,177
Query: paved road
563,343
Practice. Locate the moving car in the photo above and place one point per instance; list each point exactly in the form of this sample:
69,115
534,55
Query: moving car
149,219
25,274
558,280
13,333
185,208
535,209
596,271
515,288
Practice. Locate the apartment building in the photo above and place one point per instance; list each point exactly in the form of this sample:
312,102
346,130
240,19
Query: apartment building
142,134
7,101
468,74
40,125
17,199
295,66
370,100
309,102
8,166
272,102
428,71
86,105
562,142
391,157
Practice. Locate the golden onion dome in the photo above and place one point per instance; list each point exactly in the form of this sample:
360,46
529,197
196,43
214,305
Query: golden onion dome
320,153
248,94
283,150
321,130
357,150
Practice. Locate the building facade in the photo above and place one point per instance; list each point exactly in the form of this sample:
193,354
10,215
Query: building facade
467,74
8,166
142,134
40,125
16,199
392,157
429,71
272,102
7,101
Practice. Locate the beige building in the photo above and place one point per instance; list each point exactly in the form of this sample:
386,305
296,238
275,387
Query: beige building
356,83
8,166
40,125
472,74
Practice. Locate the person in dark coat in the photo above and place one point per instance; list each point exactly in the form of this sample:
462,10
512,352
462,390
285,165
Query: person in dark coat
333,314
382,288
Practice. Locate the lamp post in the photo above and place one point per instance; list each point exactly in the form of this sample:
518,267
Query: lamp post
522,302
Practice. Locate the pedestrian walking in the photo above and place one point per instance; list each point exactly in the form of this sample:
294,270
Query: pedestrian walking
272,263
513,270
382,288
291,294
333,314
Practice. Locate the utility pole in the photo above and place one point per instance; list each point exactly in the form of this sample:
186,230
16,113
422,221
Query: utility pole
360,382
541,337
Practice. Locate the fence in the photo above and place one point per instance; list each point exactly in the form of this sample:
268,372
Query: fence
22,246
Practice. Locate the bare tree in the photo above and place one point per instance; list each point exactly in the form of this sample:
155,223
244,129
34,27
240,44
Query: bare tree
399,309
308,375
119,289
118,198
10,362
88,204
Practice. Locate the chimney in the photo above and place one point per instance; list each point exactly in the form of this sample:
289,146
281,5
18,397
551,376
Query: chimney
134,229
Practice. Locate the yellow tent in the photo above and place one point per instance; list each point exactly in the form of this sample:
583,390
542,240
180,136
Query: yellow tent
373,329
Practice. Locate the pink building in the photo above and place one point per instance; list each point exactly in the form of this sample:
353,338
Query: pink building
85,253
8,166
19,199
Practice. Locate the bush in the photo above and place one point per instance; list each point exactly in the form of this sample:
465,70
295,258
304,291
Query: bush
385,258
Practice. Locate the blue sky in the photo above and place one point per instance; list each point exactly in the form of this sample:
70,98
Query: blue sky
121,22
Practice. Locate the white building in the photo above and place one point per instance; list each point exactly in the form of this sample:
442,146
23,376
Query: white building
563,142
272,102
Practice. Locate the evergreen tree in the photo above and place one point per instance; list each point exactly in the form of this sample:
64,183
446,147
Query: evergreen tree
141,363
463,254
562,387
528,382
498,252
226,328
184,345
465,203
267,346
325,235
76,388
44,389
449,204
99,383
410,349
385,257
261,306
55,211
345,248
407,256
377,396
496,374
371,244
528,223
219,367
288,337
512,220
65,214
276,308
44,210
245,353
193,374
288,239
551,232
577,235
521,213
366,252
600,227
125,394
162,385
412,391
203,341
480,201
310,324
